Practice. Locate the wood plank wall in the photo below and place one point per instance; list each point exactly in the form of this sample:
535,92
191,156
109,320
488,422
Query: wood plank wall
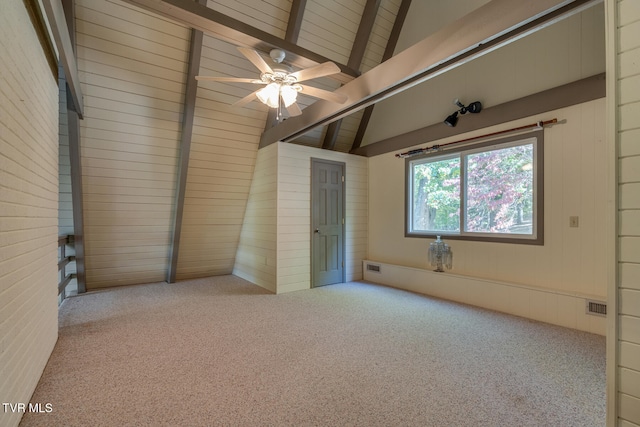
132,65
256,256
628,105
572,260
223,152
275,246
28,208
294,214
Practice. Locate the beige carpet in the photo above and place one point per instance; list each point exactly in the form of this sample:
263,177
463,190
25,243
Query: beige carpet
223,352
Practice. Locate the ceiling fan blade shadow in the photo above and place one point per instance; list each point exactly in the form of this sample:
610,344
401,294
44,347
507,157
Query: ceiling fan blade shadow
229,79
255,59
320,70
294,109
338,98
247,99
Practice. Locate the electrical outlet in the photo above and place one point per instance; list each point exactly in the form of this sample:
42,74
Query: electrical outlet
573,221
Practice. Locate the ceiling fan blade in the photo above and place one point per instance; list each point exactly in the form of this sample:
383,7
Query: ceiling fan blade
294,109
338,98
229,79
255,59
247,99
320,70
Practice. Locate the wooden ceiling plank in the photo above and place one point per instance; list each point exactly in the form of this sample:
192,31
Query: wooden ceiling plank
355,61
388,53
231,30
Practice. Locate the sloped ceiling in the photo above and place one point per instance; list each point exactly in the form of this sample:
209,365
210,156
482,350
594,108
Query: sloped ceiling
133,62
325,30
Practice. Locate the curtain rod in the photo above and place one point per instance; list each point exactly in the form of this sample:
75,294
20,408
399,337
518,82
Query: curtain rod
534,126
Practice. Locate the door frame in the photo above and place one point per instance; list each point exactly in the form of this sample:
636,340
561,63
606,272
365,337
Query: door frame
343,165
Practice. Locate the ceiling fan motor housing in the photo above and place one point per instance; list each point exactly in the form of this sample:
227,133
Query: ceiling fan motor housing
277,55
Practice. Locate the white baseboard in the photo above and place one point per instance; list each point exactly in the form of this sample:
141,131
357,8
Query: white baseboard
545,305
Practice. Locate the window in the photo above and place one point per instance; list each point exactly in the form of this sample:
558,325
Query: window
490,191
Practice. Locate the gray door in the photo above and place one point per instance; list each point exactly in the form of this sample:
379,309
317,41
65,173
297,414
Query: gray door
327,222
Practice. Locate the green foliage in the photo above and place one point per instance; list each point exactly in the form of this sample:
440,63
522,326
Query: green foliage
499,192
437,195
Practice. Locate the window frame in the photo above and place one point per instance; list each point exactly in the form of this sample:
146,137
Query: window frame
537,238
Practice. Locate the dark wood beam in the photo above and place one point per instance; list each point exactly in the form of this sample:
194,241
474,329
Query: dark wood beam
363,34
355,61
75,161
58,23
483,30
195,53
392,42
295,20
577,92
75,158
231,30
40,25
293,31
331,135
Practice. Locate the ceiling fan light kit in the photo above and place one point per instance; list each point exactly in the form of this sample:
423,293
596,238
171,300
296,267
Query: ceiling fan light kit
281,85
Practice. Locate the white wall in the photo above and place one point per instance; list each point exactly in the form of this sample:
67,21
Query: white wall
294,214
572,260
545,305
275,244
132,66
627,102
28,208
256,256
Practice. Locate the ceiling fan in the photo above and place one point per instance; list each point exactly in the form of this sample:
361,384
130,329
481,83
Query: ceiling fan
281,86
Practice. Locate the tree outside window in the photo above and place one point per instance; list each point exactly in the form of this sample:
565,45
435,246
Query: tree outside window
494,186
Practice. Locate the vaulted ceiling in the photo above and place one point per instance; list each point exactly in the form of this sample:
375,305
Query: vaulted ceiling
356,35
146,195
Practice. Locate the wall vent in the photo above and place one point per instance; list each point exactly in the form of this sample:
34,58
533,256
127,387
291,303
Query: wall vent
373,267
597,308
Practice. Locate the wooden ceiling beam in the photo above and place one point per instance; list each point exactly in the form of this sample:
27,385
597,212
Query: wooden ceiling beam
56,18
392,42
363,34
563,96
190,95
295,20
231,30
293,31
355,61
485,29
